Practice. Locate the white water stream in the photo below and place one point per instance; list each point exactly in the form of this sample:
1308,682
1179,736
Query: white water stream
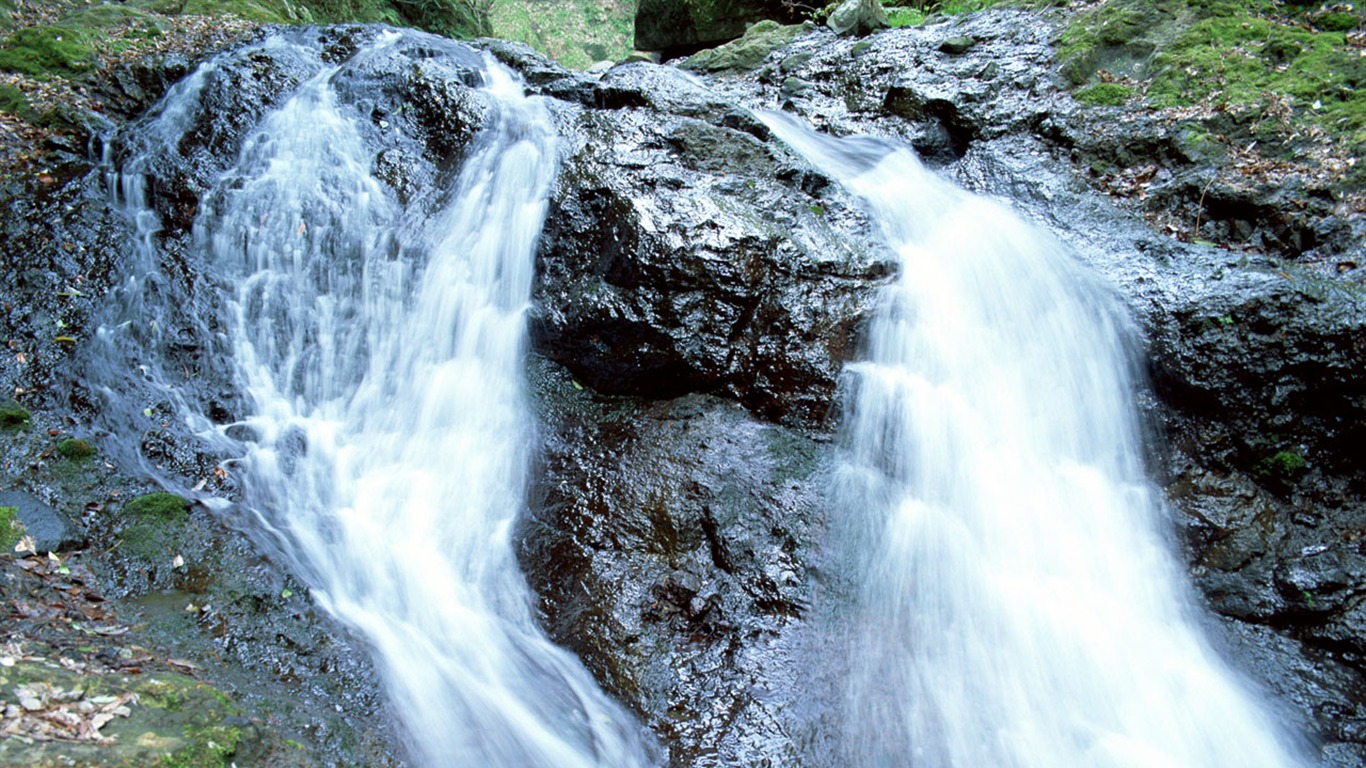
382,358
1020,604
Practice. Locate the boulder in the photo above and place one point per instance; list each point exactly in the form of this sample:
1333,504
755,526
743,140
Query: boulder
684,26
761,39
857,17
686,252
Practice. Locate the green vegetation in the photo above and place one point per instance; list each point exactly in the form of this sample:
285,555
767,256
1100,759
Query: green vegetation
162,507
47,51
13,415
1284,465
453,18
209,747
11,528
73,45
576,33
1261,56
916,12
901,16
1104,95
76,449
158,520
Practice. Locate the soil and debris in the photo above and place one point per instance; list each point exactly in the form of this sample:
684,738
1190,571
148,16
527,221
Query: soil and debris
78,688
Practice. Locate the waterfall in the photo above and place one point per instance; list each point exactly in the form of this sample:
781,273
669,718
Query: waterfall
380,355
1020,605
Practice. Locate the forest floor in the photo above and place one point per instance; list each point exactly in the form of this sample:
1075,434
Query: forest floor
43,105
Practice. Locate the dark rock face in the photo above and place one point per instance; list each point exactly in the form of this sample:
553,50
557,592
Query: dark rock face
684,253
674,545
679,26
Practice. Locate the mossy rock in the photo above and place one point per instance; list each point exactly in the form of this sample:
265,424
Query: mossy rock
1223,53
14,102
13,416
749,51
159,507
76,449
11,528
162,720
157,526
1120,36
49,51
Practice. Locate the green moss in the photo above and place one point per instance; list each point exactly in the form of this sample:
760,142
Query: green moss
13,415
901,16
1284,465
1224,54
158,521
253,10
110,15
48,51
76,449
1241,60
1104,95
11,528
1338,21
161,694
913,13
210,747
158,507
13,101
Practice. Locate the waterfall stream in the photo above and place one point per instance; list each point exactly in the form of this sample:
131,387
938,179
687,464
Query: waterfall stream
380,354
1020,605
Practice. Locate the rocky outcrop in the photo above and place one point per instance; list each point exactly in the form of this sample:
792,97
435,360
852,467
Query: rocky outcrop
748,52
684,252
674,543
857,17
677,27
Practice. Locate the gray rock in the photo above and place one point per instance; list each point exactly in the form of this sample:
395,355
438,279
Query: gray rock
761,39
957,44
857,17
51,530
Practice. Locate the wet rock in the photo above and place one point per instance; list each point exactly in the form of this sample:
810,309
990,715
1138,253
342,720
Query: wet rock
684,253
857,17
672,543
679,25
51,530
761,39
134,87
957,44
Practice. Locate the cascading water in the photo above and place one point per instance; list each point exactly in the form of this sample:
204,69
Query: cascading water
381,355
1019,604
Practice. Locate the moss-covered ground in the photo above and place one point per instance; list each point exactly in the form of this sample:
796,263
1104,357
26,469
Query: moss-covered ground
1305,63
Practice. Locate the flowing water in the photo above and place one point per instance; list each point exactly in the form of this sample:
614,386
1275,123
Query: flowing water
1020,605
380,355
